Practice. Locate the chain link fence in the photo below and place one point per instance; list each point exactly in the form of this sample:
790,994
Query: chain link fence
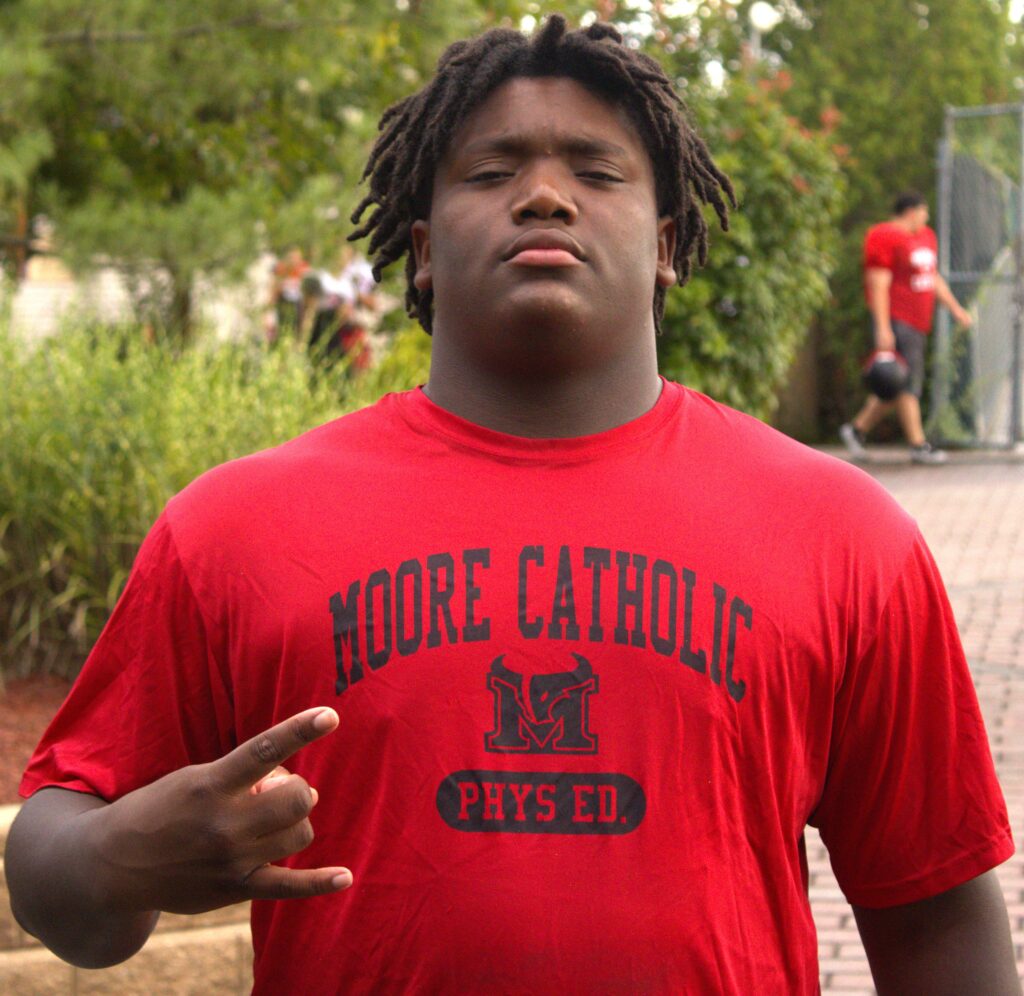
977,377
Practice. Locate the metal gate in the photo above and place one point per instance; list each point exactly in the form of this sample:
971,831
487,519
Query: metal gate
977,375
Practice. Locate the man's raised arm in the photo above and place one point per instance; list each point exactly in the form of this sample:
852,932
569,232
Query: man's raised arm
89,879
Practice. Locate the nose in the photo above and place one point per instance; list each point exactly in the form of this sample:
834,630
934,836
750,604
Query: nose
543,195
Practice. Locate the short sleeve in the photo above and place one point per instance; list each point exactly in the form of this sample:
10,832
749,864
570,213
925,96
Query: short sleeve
911,806
879,250
152,696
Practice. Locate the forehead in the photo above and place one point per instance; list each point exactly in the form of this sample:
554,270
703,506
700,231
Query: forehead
550,110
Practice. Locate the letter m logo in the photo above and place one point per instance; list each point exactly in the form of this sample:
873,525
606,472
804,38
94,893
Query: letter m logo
544,714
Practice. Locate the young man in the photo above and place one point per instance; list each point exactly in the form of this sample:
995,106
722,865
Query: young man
582,657
901,283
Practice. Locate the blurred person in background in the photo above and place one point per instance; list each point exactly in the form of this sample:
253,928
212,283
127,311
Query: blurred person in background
286,292
345,305
901,285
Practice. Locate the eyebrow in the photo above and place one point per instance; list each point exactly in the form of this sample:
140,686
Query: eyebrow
517,144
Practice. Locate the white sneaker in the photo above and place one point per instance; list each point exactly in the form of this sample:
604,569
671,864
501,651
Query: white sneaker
928,454
853,440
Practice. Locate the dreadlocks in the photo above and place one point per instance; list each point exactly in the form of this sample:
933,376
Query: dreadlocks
415,132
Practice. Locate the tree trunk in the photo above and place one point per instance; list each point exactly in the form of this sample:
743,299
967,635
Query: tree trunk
180,317
21,234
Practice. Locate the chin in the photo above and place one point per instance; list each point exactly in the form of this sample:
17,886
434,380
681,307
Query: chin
550,310
547,332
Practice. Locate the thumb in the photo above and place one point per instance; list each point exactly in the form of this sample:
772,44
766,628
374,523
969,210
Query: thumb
275,882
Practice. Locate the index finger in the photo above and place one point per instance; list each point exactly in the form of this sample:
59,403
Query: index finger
258,757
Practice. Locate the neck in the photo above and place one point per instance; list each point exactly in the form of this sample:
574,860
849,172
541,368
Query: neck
539,404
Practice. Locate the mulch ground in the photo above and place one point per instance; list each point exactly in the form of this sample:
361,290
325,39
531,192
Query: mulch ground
26,707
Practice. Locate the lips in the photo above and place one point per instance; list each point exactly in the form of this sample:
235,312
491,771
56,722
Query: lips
544,247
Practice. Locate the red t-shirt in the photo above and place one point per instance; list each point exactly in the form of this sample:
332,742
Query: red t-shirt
591,693
912,259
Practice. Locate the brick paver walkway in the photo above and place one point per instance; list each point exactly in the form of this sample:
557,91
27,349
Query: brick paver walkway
971,512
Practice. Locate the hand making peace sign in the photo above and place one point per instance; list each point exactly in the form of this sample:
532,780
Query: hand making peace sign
207,835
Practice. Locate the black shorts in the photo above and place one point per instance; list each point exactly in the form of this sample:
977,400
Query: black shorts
910,345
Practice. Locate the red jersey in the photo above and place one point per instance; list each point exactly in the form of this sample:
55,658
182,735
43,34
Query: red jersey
912,257
591,692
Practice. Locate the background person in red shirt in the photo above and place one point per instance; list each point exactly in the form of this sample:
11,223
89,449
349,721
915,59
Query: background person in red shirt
901,283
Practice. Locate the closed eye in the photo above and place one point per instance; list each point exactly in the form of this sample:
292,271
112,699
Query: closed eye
596,174
487,176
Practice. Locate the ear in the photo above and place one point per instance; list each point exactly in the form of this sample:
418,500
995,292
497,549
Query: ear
421,250
666,252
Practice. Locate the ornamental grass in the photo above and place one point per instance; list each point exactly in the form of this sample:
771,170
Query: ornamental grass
100,426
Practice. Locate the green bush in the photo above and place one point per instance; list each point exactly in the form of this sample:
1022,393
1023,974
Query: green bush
100,428
734,330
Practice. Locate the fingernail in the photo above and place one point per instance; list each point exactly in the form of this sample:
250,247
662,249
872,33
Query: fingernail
324,720
342,880
315,794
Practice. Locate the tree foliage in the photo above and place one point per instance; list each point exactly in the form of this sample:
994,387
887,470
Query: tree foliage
734,331
890,67
178,139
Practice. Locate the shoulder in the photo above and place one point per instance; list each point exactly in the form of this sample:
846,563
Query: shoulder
884,233
880,243
283,482
790,488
